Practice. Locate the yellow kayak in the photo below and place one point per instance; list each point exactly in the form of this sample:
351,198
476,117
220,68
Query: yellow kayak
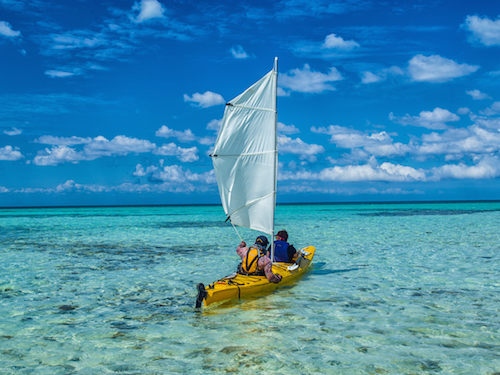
238,286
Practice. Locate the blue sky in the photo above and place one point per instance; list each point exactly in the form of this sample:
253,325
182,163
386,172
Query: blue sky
119,102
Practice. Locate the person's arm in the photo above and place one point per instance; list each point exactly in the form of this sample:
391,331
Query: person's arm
265,263
291,251
242,249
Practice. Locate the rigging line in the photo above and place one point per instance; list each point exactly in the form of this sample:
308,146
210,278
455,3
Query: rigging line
252,108
251,203
236,230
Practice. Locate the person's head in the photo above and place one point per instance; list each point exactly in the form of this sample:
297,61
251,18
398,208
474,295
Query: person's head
262,241
282,235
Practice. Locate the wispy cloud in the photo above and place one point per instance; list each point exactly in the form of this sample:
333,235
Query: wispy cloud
60,73
308,81
183,136
315,8
13,131
483,30
492,110
205,100
16,106
477,95
435,119
239,53
171,186
10,153
7,31
381,75
114,38
62,141
435,68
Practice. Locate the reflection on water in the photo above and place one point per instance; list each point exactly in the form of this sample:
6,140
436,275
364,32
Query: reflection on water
394,289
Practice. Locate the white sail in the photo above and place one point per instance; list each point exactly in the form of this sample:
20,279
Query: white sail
245,156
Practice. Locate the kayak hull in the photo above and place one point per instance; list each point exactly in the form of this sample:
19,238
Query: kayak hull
238,286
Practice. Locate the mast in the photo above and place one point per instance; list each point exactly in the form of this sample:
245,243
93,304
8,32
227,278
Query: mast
275,70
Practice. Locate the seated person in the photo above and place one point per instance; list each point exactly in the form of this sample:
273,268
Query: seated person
283,251
255,261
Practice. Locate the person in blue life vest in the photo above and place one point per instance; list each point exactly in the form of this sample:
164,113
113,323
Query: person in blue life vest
283,251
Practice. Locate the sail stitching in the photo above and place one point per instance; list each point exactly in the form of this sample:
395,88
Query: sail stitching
245,154
254,108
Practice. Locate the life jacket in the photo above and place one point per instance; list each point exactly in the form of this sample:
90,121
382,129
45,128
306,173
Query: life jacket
249,264
281,251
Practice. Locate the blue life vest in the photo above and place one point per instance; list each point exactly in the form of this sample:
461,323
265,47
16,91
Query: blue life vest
281,251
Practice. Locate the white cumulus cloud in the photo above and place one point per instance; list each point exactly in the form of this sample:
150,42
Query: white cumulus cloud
483,30
174,174
298,147
435,119
214,125
57,155
93,148
119,145
375,143
477,95
435,68
371,171
487,167
205,100
369,77
6,30
287,129
183,154
337,42
309,81
149,9
10,153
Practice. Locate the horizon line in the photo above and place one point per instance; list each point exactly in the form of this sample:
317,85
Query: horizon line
277,204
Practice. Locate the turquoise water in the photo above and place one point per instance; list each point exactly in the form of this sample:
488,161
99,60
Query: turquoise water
395,289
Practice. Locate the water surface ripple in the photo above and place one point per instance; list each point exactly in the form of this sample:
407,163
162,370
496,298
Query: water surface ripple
395,289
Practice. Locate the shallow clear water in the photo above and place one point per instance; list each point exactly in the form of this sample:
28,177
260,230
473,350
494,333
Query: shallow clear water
395,289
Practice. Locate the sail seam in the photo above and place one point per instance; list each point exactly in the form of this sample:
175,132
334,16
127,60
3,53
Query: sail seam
253,108
246,154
